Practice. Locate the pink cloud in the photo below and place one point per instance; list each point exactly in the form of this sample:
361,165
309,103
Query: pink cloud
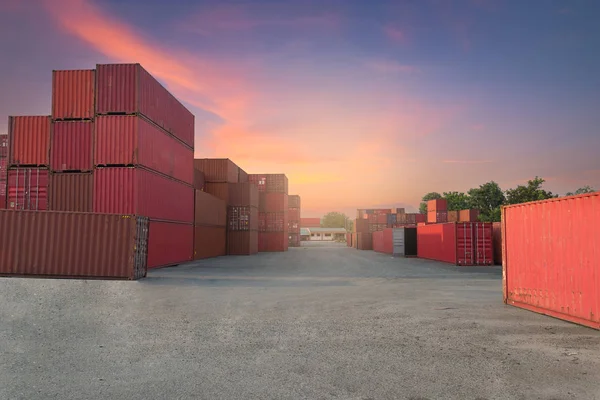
395,34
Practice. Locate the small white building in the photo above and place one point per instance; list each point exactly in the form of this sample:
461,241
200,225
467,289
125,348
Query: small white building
324,234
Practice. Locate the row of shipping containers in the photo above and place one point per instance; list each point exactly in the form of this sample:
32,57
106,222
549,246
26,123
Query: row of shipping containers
294,213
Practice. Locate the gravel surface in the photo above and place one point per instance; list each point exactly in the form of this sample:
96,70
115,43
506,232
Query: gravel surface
324,322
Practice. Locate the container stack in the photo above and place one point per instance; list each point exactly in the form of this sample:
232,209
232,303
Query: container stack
437,211
143,155
3,167
228,182
396,241
471,215
294,220
210,224
273,211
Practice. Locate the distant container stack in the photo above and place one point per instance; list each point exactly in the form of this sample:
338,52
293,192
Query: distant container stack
396,241
273,211
294,220
437,211
3,169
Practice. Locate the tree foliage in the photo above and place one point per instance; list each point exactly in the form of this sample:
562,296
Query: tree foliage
336,219
426,198
531,192
457,201
582,190
487,198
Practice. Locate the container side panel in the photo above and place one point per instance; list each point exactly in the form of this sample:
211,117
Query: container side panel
209,210
73,94
169,243
209,242
242,243
116,87
27,189
71,148
71,192
29,140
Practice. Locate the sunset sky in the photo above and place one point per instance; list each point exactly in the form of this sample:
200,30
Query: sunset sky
361,103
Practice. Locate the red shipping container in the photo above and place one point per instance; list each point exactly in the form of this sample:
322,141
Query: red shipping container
169,243
451,242
28,189
272,241
71,192
71,148
437,217
242,218
273,222
294,201
73,94
29,141
3,146
349,239
437,205
294,214
293,227
271,183
364,241
126,140
377,218
260,180
275,202
130,89
484,243
218,169
551,257
242,176
209,210
234,194
469,215
73,245
377,238
420,218
497,238
140,191
242,243
310,222
361,225
209,242
3,169
383,241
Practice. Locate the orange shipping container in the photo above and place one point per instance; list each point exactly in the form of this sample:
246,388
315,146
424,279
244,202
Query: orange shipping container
437,205
453,216
73,94
469,215
29,141
551,257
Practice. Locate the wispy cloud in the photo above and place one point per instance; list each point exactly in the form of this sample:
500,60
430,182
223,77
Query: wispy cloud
395,34
386,66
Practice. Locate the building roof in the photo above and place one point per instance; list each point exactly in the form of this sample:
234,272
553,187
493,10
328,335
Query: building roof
327,230
304,232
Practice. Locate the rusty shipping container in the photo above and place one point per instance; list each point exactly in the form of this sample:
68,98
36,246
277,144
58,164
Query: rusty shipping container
364,241
128,140
469,215
310,222
453,216
437,205
209,210
293,201
199,180
73,94
169,243
273,241
72,145
71,192
242,218
29,141
234,194
219,170
209,242
437,217
551,262
497,238
242,243
130,89
294,240
27,189
128,190
73,245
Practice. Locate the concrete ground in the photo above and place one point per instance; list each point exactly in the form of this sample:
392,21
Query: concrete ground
320,322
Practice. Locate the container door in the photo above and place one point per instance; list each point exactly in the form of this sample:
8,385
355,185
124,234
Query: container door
410,242
483,242
465,244
398,240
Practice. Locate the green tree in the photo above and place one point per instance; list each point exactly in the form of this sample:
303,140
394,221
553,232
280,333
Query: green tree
426,198
531,192
457,201
336,219
582,190
487,198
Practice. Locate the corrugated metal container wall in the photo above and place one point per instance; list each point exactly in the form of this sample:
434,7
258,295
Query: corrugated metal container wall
437,205
29,140
552,257
209,210
219,190
129,89
349,239
364,241
71,148
242,218
293,201
260,180
484,246
73,94
235,194
272,241
132,140
377,238
242,176
451,242
497,238
276,202
76,245
273,222
209,242
142,192
218,169
3,169
71,192
277,183
361,225
3,146
294,215
28,189
198,179
242,243
169,243
437,217
469,215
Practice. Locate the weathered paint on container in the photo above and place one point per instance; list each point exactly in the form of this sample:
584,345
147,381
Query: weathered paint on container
209,210
29,140
242,243
471,215
310,222
27,189
551,257
453,216
437,205
293,201
437,217
273,241
125,140
73,245
130,89
72,145
364,241
209,242
218,169
234,194
71,192
140,191
169,243
242,218
497,238
73,94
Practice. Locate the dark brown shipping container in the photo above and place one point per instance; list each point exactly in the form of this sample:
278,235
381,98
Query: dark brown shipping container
209,210
73,94
73,245
437,205
242,243
71,192
361,225
242,218
218,169
497,238
293,201
243,176
294,240
364,241
209,242
29,141
273,241
234,194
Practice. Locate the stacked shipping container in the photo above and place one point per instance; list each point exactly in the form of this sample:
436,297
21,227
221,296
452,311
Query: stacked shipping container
3,169
273,211
209,226
294,220
396,241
